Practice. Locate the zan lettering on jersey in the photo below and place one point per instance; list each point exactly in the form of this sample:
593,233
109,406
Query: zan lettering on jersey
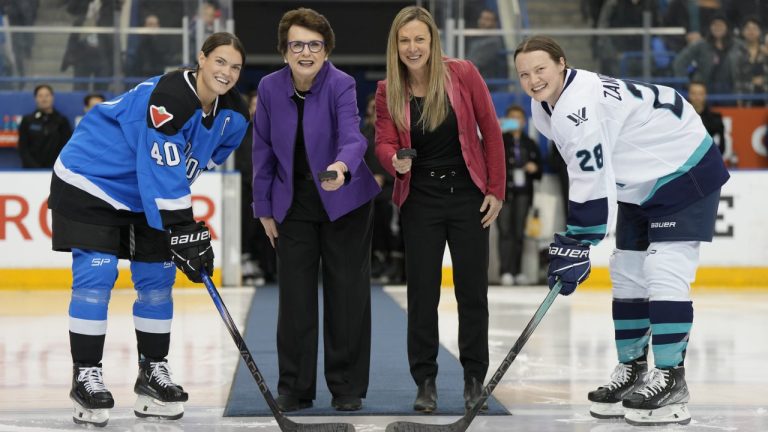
610,87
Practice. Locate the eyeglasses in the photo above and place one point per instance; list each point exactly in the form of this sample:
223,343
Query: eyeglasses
297,47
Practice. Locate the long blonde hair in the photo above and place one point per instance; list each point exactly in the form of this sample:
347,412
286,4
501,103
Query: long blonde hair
436,100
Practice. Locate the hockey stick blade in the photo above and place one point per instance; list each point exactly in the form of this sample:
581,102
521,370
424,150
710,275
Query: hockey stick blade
286,425
463,423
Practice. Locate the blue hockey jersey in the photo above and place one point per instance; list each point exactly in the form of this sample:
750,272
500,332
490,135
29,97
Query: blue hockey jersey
135,156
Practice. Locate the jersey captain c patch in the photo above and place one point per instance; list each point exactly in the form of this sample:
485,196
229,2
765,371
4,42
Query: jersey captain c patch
159,115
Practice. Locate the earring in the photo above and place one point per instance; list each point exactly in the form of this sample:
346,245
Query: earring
285,60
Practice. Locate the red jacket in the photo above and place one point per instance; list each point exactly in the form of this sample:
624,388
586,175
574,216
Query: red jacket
475,115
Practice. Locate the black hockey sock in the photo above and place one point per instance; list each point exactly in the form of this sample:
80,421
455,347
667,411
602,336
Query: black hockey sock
153,346
86,349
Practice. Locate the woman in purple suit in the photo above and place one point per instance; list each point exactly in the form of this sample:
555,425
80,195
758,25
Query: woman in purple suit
307,122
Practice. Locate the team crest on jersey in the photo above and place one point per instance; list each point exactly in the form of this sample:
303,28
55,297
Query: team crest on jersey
159,115
579,117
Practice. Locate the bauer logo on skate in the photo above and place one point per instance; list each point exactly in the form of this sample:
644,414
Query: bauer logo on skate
25,221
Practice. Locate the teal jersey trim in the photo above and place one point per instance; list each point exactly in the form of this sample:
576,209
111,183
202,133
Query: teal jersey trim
575,232
695,158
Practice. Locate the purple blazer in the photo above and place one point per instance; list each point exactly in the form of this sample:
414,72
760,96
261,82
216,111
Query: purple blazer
331,133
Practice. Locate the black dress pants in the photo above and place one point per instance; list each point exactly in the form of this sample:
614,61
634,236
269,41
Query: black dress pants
444,206
305,238
511,224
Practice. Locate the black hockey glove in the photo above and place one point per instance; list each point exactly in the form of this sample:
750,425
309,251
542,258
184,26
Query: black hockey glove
191,250
569,261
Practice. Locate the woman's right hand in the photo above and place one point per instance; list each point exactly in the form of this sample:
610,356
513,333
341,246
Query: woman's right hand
402,166
270,228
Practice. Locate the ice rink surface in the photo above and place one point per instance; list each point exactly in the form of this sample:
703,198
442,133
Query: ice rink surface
545,389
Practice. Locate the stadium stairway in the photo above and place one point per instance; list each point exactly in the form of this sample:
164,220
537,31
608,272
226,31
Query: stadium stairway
543,14
48,48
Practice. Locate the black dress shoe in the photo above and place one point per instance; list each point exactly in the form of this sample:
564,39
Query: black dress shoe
288,403
426,397
473,388
347,403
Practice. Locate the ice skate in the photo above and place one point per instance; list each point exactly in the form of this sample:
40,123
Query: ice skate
158,396
606,400
91,398
661,400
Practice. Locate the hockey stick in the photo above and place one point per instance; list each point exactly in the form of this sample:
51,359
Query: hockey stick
462,424
286,425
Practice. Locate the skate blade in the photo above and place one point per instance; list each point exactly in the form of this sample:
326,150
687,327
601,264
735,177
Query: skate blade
146,407
605,411
670,414
95,417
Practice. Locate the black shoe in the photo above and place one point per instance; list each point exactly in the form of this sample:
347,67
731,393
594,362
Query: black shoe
154,380
288,403
606,399
426,397
88,388
662,399
347,403
473,388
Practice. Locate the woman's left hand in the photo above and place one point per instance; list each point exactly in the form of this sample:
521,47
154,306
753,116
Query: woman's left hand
332,185
491,206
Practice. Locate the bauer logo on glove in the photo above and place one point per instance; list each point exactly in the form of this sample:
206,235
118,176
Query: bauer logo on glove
181,239
568,262
191,250
555,250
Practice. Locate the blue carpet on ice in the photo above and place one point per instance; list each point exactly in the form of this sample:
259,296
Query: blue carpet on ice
391,390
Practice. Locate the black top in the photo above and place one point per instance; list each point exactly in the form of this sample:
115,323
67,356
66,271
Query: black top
439,148
306,204
713,123
301,167
41,138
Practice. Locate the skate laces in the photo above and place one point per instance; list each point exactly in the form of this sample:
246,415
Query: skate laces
92,379
620,376
654,383
161,373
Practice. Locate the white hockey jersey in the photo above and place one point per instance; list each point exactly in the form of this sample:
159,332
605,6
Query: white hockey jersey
627,141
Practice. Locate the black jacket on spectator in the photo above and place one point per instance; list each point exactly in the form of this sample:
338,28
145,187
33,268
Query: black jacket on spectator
41,138
151,57
487,54
528,152
713,123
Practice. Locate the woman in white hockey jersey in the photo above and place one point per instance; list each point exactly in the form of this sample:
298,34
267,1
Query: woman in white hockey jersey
643,146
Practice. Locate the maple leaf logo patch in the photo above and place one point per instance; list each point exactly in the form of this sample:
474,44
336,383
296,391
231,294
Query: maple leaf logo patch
159,115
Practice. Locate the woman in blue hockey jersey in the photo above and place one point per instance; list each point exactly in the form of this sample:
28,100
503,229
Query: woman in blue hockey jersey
121,189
